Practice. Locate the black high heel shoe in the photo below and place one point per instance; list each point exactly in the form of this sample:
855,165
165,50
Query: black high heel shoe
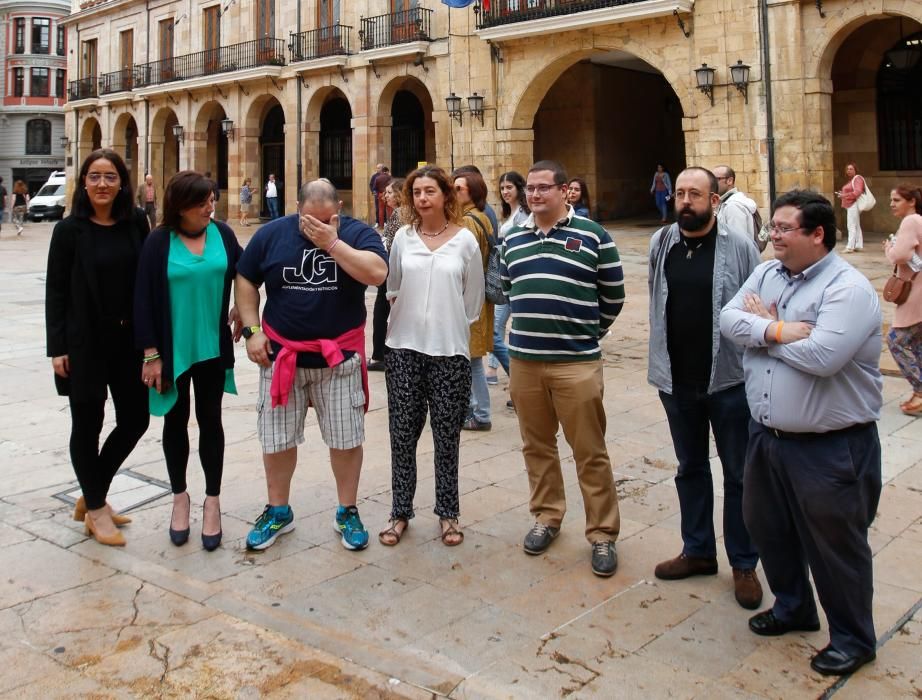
180,537
210,542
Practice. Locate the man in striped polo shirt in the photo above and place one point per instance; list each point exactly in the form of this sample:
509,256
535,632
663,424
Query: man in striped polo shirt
565,285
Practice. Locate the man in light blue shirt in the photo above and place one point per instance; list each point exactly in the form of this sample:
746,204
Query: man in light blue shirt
810,326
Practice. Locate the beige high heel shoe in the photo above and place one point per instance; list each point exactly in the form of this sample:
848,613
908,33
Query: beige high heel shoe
80,513
116,540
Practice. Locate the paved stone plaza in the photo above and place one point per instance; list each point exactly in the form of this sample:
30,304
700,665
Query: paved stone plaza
306,618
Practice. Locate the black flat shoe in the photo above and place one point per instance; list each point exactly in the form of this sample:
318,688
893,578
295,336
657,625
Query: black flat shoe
830,662
179,537
376,366
767,625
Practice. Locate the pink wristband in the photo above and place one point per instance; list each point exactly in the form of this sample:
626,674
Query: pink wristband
330,249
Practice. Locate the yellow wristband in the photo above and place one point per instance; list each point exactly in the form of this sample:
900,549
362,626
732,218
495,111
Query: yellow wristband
778,331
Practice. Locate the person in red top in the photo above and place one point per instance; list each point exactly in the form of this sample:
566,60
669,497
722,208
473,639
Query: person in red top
853,189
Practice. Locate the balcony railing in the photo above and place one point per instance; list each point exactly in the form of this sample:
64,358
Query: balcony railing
511,11
319,43
396,28
118,81
82,89
248,54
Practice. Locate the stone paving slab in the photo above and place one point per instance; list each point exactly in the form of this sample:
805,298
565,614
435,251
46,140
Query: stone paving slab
307,618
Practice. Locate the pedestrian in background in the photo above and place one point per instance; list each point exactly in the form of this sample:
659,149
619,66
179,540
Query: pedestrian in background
246,198
661,189
20,205
393,195
578,197
904,250
3,196
92,264
147,199
271,194
435,284
471,193
182,322
848,196
381,181
374,195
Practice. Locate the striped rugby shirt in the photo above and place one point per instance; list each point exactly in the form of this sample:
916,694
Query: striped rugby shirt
565,289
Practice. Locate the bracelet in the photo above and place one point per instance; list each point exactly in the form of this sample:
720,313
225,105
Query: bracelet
151,358
330,249
778,332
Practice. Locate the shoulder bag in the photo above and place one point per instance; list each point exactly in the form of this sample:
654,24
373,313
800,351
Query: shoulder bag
897,289
866,200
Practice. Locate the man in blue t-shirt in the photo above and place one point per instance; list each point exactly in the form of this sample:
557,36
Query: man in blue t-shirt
315,266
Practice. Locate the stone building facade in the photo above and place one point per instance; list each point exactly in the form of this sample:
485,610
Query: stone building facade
33,47
307,88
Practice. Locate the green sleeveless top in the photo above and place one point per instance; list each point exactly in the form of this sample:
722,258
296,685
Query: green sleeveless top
196,284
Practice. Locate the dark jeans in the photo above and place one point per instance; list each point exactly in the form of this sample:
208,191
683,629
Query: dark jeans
273,204
690,412
810,502
208,377
96,467
379,324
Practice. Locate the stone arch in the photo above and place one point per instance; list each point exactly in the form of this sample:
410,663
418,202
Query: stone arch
90,138
524,93
818,62
209,149
263,154
164,147
124,140
408,85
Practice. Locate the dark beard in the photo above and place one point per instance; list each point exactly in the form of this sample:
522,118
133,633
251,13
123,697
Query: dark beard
690,221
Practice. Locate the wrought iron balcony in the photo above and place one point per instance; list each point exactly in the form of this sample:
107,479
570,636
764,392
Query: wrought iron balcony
510,11
396,28
319,43
82,89
267,51
119,81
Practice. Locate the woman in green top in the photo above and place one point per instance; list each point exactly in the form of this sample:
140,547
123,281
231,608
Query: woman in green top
185,274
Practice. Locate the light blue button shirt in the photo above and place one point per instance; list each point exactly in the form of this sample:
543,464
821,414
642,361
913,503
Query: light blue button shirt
828,381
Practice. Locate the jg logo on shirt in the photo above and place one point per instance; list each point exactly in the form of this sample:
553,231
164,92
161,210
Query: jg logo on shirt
317,268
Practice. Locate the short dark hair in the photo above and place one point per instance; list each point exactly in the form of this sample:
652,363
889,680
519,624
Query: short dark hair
122,205
815,212
470,168
731,174
560,175
516,179
186,189
712,178
475,186
910,193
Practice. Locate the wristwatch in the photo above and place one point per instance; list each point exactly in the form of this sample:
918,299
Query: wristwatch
248,331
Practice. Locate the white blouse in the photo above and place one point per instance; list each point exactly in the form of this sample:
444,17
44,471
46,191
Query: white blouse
437,294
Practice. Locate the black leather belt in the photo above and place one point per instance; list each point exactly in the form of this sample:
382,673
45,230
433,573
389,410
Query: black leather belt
784,435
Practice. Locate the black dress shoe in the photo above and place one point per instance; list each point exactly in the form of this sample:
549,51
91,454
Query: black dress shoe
376,366
830,662
767,625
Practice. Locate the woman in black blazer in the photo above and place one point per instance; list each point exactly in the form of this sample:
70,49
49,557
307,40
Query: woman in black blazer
92,263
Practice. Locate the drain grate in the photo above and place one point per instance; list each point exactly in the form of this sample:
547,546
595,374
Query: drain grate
129,490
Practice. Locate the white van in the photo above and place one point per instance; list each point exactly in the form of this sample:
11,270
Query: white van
50,201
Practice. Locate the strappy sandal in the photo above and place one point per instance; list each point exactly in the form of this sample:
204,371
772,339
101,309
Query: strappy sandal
450,531
913,407
911,401
390,536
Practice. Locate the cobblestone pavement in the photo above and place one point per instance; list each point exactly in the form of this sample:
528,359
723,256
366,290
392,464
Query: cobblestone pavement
307,618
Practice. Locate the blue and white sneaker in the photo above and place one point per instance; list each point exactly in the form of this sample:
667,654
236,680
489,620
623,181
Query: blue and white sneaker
274,521
348,524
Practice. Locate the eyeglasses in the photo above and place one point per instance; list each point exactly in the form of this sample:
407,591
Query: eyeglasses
541,189
725,177
775,228
96,178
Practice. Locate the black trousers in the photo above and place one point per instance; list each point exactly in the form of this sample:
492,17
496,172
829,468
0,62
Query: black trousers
93,466
208,377
418,384
809,503
379,324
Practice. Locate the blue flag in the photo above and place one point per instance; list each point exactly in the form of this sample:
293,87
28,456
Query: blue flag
457,3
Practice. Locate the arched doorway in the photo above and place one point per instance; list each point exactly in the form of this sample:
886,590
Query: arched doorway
90,139
336,141
125,142
876,111
582,123
272,153
164,147
408,133
209,153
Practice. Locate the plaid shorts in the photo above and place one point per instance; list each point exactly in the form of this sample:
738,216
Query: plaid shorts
335,393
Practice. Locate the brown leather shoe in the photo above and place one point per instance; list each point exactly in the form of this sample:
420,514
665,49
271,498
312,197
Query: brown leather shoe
747,588
683,567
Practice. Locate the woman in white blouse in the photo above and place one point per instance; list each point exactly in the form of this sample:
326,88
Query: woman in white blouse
435,286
